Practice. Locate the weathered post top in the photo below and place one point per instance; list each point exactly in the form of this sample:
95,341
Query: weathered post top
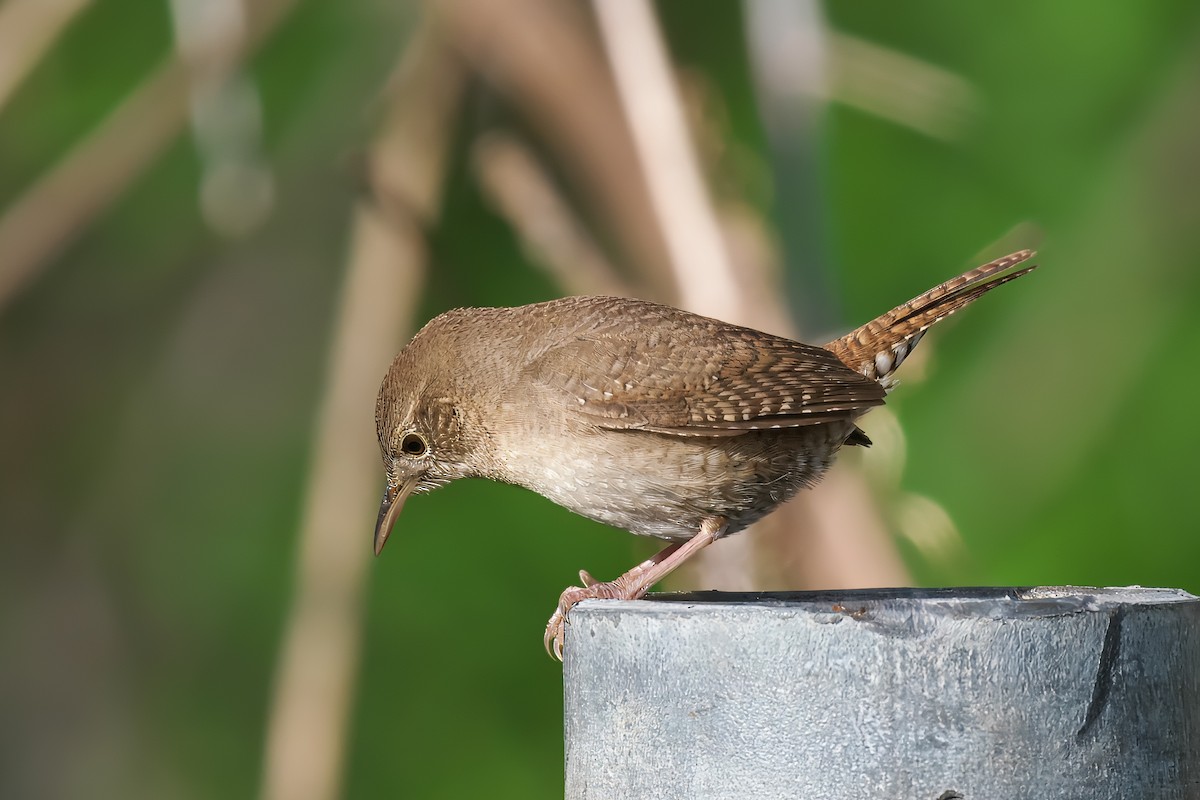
1059,692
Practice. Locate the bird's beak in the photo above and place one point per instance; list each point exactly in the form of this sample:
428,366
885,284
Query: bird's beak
389,509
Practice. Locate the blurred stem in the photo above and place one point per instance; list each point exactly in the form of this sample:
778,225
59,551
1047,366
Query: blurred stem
554,237
654,109
542,56
790,52
98,170
319,657
904,90
28,29
318,660
56,209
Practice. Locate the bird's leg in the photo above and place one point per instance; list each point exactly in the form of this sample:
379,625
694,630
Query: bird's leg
632,585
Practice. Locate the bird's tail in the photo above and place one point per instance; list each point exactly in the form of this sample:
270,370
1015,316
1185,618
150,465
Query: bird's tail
878,348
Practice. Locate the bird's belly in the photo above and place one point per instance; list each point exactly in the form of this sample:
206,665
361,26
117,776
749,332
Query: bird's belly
664,486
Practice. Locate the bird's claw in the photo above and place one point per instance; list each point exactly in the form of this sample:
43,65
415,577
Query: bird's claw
592,589
553,640
556,628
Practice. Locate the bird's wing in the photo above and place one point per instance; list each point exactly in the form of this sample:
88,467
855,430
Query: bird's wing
676,373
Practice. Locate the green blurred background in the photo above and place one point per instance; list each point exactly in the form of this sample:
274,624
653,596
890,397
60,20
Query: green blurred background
178,203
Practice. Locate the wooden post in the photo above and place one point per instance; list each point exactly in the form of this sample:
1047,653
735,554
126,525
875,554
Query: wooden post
980,694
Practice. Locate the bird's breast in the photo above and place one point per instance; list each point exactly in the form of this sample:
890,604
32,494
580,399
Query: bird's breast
664,486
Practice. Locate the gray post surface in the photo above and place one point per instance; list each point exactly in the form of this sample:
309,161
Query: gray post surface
903,693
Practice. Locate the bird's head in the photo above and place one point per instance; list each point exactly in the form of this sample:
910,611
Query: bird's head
425,436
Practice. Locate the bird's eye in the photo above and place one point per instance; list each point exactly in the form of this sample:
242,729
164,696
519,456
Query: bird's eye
414,444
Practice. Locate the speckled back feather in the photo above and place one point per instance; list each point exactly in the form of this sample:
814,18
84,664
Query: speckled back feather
634,365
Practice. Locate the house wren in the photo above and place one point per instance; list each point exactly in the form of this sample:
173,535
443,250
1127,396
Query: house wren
638,415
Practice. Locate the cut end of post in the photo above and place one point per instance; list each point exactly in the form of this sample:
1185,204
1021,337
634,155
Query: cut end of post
988,692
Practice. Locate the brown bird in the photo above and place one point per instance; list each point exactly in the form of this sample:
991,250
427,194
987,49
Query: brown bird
638,415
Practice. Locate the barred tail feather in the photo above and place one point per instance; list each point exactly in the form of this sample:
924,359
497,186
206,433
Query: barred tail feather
879,347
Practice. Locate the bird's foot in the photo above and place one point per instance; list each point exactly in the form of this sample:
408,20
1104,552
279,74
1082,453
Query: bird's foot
592,589
633,585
